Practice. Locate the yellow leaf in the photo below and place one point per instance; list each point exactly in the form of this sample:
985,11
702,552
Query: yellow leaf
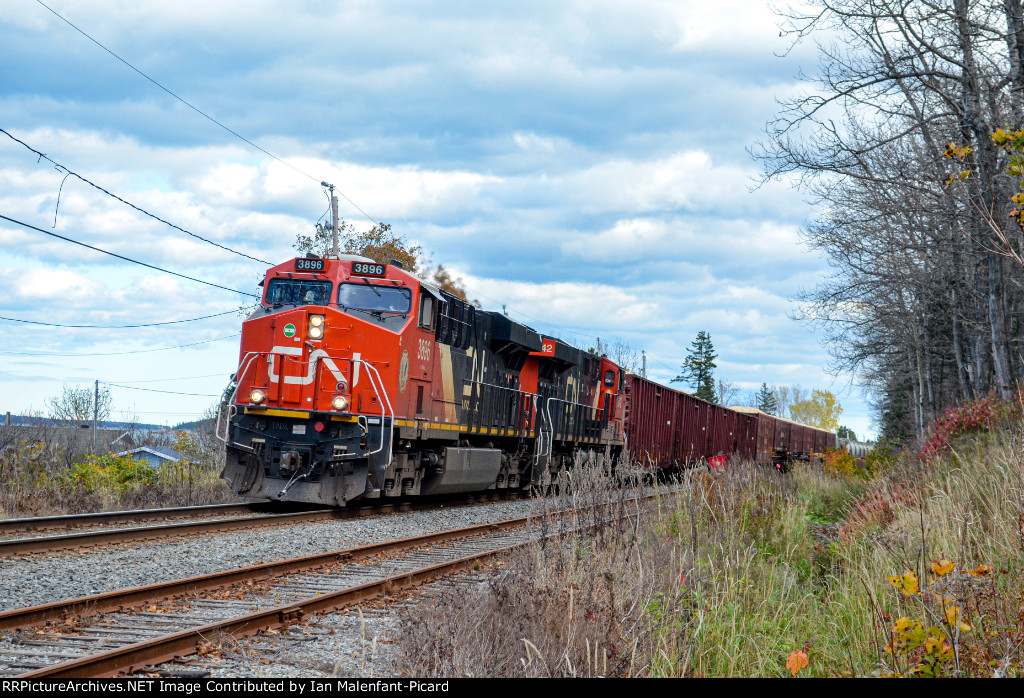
906,582
942,567
952,613
797,661
980,571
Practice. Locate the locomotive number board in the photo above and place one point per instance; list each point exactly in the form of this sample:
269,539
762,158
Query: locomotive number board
309,265
367,269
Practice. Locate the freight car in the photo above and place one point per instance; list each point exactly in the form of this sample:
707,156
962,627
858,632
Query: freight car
358,380
668,428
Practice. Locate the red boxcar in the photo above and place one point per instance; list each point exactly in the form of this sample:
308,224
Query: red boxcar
670,428
783,439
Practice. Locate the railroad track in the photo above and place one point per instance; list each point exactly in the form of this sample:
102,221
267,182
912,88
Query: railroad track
105,518
148,625
257,517
126,631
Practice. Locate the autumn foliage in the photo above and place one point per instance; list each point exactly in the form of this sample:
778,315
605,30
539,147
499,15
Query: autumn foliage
980,416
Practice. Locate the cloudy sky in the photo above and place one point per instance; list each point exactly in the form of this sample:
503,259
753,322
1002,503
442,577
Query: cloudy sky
582,163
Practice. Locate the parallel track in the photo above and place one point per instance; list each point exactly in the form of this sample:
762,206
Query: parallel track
41,544
74,521
303,594
156,623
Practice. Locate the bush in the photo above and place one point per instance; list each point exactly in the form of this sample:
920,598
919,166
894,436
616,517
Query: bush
980,416
111,474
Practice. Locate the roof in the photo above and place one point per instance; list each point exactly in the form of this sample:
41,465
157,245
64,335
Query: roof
159,451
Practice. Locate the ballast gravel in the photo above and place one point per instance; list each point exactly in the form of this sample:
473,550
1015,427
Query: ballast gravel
43,578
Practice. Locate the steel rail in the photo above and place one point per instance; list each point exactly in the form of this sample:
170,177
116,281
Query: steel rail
42,523
138,596
137,656
40,544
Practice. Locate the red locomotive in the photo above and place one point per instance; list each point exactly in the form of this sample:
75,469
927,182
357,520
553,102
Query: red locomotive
358,380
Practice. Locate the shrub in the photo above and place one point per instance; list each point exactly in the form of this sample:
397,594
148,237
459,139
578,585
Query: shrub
110,473
839,461
980,416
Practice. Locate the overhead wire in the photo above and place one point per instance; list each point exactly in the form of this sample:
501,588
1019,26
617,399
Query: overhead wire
198,110
118,353
69,173
180,378
154,390
127,259
116,327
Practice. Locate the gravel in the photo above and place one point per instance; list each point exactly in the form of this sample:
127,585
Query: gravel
357,643
43,578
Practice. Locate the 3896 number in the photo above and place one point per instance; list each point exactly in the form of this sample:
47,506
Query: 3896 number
309,264
367,269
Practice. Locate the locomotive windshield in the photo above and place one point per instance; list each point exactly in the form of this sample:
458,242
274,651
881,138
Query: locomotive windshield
298,292
375,298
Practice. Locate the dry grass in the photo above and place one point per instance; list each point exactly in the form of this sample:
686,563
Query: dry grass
734,571
38,477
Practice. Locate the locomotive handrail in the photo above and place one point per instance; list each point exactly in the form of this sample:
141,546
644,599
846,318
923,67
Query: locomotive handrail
540,434
372,372
232,410
547,408
502,387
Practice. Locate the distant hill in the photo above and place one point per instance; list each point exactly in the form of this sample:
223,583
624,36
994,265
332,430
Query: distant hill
189,426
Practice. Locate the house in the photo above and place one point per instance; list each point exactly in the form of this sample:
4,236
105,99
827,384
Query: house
154,455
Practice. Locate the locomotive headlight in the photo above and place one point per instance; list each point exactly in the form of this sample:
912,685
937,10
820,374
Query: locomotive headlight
339,402
316,327
257,397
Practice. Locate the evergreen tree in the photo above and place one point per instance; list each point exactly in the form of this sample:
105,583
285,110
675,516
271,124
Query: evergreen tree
847,433
698,369
765,400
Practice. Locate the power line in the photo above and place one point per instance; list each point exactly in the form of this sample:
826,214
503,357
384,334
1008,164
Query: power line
200,111
116,327
69,173
127,259
118,353
128,413
154,390
182,378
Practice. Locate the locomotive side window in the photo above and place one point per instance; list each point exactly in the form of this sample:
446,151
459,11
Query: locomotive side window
609,379
426,311
298,292
375,298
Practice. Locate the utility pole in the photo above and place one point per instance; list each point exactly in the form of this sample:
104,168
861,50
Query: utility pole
95,413
643,370
334,220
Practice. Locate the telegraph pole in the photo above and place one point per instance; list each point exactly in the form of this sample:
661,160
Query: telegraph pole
335,251
643,371
95,413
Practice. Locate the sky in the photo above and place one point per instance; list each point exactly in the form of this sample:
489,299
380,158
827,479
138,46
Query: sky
582,164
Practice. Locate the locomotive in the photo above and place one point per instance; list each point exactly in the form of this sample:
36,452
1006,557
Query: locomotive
358,380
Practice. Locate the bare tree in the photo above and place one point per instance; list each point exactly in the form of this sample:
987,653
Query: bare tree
922,304
74,406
